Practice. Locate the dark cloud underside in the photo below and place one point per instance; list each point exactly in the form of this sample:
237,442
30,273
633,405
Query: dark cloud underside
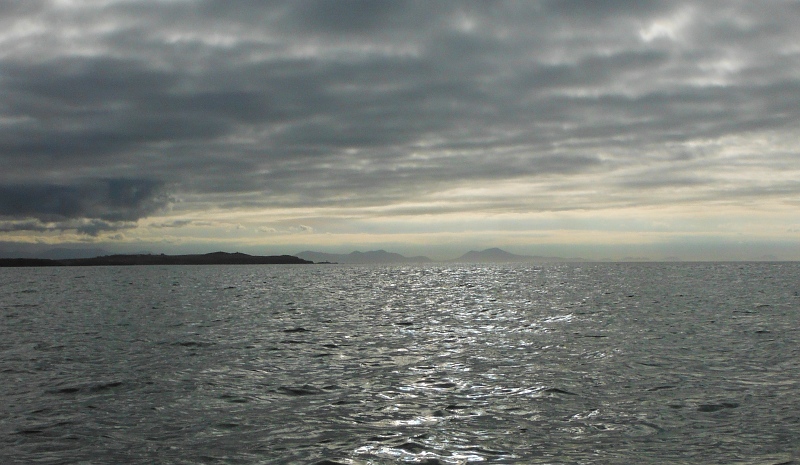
113,200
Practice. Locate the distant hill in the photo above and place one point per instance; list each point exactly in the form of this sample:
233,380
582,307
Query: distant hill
215,258
495,255
372,257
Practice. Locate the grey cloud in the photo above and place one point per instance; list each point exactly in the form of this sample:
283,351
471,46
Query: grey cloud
348,16
366,103
30,225
95,227
98,107
75,83
604,8
654,181
91,227
593,70
104,201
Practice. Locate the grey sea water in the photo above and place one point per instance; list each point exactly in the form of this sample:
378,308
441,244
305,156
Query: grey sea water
558,364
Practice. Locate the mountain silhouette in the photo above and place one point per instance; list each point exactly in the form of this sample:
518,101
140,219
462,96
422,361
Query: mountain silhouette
495,255
371,257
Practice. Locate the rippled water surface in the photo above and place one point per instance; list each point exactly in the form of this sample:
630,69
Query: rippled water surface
578,364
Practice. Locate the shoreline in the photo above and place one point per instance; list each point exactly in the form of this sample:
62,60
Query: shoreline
214,258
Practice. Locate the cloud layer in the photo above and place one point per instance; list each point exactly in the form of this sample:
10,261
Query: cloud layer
356,104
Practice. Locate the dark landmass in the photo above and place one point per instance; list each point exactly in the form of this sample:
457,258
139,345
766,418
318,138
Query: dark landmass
361,258
495,255
215,258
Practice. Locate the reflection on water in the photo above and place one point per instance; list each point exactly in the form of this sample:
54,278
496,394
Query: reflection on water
591,363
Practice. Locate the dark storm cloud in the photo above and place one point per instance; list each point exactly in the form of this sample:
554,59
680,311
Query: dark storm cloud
368,102
89,207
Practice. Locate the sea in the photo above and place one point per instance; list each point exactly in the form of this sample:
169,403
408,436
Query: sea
579,363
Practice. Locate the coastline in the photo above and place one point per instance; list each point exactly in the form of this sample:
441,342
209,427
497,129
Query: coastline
214,258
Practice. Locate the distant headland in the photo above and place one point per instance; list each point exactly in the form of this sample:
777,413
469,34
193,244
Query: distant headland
214,258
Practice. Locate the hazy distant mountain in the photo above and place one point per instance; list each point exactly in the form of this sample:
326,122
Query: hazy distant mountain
375,256
495,255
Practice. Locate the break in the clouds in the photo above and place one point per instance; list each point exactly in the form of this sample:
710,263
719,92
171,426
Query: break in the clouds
345,114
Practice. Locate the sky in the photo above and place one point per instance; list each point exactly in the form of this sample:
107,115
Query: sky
599,129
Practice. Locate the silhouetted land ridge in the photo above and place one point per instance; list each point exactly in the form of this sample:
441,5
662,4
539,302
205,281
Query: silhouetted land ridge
495,255
373,256
215,258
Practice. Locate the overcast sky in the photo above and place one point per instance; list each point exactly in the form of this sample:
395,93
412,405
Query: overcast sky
577,128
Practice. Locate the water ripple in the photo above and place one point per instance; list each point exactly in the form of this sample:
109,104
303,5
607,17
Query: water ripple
590,363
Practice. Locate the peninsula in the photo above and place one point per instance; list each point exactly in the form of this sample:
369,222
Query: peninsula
215,258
